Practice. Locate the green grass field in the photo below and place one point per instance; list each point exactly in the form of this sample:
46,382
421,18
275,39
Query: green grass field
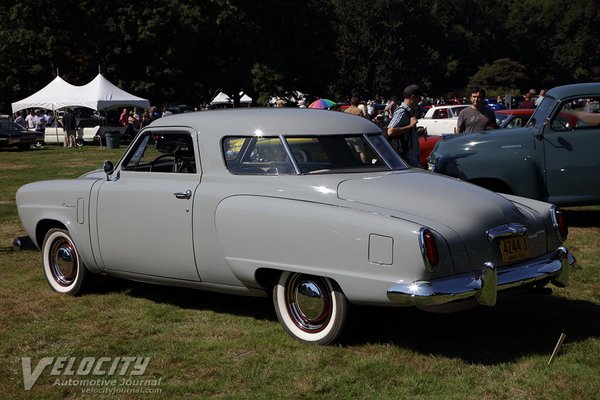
207,345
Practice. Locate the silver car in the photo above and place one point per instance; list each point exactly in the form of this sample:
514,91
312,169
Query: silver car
311,206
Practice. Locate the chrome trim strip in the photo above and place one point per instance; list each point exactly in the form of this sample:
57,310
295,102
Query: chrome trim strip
553,211
483,285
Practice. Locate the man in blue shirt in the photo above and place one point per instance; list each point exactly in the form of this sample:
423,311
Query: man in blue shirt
402,129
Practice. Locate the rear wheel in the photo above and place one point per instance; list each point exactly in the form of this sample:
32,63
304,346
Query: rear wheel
64,270
310,308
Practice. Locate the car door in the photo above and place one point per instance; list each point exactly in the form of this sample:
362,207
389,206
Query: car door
144,213
571,143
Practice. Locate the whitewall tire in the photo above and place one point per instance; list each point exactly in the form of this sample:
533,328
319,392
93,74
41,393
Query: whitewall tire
310,308
63,268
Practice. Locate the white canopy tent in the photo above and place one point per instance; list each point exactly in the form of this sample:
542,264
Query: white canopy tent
56,94
245,99
99,94
221,99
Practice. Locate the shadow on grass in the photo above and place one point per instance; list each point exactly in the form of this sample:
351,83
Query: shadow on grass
583,217
520,325
260,308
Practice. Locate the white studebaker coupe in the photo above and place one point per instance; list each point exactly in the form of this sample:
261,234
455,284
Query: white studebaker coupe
312,206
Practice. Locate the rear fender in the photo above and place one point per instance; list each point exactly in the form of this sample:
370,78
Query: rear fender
363,252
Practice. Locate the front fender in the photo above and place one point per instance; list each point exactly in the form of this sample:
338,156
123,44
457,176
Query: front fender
515,161
47,204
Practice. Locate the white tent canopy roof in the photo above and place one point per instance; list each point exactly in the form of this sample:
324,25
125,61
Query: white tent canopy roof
56,94
99,94
245,98
221,98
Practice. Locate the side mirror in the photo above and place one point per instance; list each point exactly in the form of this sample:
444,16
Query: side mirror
109,168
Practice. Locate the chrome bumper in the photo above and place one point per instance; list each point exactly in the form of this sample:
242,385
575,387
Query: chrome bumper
485,284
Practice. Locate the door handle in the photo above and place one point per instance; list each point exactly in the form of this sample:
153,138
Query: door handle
183,195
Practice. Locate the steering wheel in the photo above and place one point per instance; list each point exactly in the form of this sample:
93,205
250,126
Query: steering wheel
179,163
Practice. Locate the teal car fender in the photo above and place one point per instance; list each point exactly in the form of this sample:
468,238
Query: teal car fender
476,158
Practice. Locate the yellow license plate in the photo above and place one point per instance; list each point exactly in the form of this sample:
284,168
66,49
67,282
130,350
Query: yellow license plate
514,249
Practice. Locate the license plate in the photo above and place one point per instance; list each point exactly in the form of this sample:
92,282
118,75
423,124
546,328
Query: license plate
514,249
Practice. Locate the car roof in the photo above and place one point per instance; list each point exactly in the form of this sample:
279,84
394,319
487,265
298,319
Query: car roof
577,89
450,106
516,111
269,121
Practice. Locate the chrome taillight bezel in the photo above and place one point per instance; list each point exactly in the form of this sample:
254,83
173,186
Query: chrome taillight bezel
429,249
559,223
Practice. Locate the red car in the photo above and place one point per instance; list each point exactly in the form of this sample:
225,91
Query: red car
513,118
426,145
519,117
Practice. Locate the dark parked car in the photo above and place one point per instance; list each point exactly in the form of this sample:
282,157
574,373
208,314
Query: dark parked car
14,135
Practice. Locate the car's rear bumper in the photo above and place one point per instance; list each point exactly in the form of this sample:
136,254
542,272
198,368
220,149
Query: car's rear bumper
483,285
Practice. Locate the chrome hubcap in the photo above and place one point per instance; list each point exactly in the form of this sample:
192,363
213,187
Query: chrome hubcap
309,302
63,262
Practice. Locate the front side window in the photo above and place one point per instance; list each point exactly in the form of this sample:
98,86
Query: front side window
581,113
309,154
157,151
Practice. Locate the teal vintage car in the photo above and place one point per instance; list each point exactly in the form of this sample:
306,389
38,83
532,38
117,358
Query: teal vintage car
554,158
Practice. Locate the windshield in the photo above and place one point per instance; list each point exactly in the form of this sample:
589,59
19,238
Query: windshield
318,154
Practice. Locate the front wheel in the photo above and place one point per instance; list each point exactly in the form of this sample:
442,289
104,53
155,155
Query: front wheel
64,270
310,308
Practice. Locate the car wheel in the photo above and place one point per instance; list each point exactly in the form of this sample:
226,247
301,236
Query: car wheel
310,308
64,270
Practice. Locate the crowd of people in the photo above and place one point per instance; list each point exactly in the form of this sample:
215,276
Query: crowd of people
132,120
398,119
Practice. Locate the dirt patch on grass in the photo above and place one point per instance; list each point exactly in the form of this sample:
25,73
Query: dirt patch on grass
14,167
80,164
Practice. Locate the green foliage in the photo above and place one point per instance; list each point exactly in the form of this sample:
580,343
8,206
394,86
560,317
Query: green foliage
503,76
184,51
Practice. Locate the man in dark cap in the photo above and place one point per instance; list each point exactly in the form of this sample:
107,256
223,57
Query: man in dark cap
402,129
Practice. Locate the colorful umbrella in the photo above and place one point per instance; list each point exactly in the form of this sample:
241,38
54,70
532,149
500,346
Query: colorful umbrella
322,103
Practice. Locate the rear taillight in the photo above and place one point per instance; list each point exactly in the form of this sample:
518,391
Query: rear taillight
560,224
429,249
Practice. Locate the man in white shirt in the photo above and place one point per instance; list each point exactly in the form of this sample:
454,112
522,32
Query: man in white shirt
30,120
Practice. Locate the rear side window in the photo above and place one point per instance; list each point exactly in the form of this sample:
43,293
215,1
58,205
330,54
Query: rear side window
256,155
276,155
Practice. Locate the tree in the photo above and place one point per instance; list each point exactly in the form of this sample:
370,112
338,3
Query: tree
502,76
